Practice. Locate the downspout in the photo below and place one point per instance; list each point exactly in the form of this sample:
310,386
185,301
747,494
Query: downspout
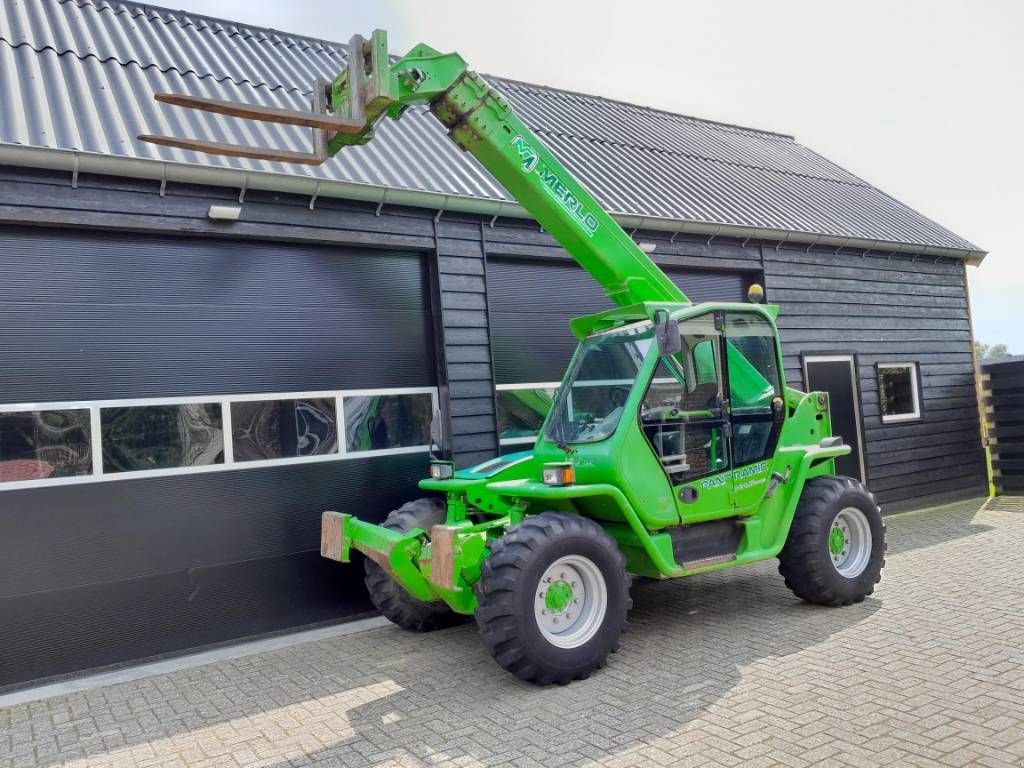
440,342
490,336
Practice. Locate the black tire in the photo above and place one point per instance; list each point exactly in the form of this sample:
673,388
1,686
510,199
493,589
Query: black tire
806,561
393,600
509,584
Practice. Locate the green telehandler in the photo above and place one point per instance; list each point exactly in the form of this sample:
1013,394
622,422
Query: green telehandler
673,446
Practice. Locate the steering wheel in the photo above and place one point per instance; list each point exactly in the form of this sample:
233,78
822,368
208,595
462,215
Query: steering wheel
607,425
617,397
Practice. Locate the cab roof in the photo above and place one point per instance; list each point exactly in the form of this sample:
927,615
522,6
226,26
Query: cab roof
586,325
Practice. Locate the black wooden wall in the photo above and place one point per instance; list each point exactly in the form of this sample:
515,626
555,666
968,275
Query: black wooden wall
878,307
890,309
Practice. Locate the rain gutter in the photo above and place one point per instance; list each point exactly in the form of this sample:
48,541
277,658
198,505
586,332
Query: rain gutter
75,162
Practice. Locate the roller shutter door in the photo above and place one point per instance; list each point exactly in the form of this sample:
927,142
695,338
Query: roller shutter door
105,315
94,573
531,303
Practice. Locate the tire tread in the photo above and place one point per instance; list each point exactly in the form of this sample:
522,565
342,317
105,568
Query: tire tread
806,570
397,605
499,585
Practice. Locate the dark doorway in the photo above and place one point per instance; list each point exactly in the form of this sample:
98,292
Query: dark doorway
837,375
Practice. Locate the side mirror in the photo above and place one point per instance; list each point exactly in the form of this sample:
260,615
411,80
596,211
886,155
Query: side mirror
439,443
666,331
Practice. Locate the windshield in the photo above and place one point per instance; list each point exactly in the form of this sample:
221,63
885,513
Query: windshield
589,404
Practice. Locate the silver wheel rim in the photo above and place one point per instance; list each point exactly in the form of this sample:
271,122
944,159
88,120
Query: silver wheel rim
570,602
852,558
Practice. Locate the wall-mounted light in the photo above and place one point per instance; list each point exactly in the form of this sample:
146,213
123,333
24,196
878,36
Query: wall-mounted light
224,212
647,247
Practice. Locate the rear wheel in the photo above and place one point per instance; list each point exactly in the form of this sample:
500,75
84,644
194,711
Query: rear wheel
552,598
389,597
836,547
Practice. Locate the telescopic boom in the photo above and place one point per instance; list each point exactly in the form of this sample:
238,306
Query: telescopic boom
481,122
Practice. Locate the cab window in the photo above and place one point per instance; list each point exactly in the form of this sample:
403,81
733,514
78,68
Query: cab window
755,382
681,413
590,402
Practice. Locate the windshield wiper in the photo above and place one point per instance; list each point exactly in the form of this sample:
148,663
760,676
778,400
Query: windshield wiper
556,432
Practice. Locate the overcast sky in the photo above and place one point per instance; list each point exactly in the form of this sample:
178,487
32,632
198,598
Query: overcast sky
923,99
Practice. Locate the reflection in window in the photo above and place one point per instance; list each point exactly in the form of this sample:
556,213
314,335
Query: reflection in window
755,386
375,422
281,429
897,392
35,445
754,378
161,436
521,412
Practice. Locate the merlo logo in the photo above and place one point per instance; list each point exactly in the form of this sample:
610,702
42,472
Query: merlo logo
530,163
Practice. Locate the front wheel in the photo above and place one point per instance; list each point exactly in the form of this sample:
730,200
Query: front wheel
552,598
836,546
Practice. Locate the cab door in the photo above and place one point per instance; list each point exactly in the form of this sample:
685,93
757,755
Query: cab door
755,405
684,418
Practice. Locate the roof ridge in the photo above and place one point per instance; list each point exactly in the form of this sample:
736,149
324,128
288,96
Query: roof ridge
126,62
644,108
676,153
160,11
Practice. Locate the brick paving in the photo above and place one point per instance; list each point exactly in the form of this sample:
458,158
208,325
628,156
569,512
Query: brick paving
722,670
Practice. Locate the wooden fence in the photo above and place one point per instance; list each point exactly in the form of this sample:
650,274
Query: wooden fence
1002,385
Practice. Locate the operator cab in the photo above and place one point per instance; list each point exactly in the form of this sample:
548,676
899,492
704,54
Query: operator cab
707,405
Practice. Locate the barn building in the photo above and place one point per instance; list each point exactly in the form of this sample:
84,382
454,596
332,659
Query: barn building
200,354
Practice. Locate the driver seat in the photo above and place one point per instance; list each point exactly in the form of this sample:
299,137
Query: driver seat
700,398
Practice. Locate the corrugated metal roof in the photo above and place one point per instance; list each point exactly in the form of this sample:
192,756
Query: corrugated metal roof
79,75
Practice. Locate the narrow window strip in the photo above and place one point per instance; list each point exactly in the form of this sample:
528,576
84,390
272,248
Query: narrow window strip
223,402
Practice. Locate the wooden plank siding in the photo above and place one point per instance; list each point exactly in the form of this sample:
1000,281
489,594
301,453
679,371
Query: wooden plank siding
890,309
881,308
453,246
1003,403
467,348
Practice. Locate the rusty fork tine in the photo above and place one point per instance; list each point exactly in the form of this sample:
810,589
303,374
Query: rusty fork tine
322,121
235,150
319,119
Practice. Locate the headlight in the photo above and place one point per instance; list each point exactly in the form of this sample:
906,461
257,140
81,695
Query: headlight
441,470
559,474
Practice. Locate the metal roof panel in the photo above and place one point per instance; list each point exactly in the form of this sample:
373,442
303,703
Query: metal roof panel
79,75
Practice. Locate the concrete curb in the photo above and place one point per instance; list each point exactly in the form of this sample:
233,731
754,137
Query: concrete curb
166,666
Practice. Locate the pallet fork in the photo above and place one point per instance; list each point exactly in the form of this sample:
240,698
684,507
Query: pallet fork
364,81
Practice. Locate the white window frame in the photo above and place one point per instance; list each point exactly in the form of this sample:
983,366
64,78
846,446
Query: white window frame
915,388
224,401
